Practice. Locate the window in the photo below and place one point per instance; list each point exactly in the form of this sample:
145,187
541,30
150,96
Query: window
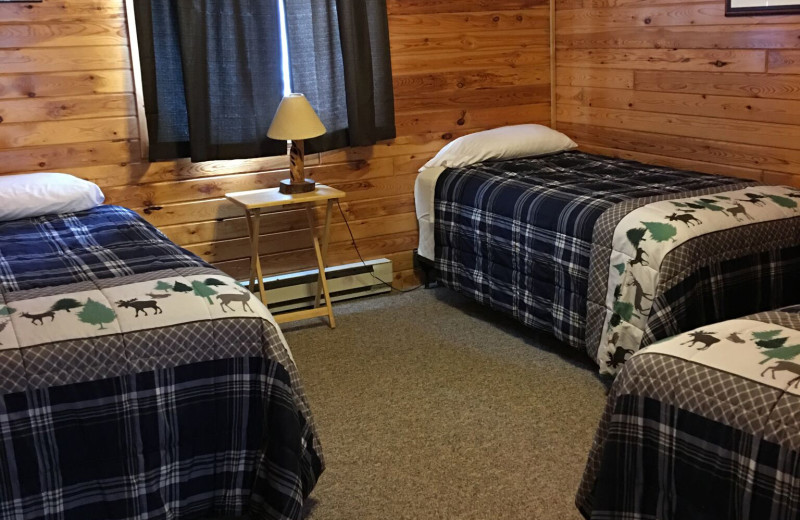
213,73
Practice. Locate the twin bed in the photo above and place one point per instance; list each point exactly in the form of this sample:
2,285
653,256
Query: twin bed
609,255
136,381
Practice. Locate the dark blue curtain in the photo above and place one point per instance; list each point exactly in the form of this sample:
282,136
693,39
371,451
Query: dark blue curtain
212,77
339,56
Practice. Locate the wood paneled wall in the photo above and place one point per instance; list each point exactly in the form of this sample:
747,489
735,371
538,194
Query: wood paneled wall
677,83
67,104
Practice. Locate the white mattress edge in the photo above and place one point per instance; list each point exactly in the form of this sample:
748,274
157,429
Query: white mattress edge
424,193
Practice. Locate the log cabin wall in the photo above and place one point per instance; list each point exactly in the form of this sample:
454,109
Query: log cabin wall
679,84
67,104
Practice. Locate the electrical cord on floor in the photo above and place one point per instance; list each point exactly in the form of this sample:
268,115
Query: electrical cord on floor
361,258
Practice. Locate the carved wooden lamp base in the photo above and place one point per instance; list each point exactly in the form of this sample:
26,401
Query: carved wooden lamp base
288,186
297,183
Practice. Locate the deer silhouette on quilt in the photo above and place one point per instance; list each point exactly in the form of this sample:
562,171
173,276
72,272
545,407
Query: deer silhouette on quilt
785,366
225,300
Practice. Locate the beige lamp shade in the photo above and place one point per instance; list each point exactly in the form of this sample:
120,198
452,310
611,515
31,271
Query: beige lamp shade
295,119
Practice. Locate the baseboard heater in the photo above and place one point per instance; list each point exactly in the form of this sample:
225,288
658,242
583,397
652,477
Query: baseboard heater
288,292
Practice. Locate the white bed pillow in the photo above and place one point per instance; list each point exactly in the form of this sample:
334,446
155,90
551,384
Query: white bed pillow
506,142
36,194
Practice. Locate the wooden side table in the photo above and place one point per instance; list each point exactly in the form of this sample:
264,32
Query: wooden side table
253,202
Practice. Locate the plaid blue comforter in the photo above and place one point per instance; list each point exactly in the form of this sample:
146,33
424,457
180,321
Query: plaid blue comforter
517,235
190,408
105,242
703,426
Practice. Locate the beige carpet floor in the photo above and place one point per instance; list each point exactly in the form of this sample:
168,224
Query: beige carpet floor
430,406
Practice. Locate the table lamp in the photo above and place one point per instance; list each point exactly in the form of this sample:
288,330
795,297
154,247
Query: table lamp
294,121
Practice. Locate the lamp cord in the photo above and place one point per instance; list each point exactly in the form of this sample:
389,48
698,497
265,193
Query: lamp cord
361,258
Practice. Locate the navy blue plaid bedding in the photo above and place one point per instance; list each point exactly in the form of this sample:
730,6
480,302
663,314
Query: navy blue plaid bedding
104,242
517,235
664,463
688,436
200,417
101,449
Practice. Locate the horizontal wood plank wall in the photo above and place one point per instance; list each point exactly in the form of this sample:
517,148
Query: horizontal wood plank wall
67,104
677,83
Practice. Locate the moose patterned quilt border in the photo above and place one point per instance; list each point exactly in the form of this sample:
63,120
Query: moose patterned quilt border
70,334
656,245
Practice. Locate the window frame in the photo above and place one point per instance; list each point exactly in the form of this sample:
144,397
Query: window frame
138,88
